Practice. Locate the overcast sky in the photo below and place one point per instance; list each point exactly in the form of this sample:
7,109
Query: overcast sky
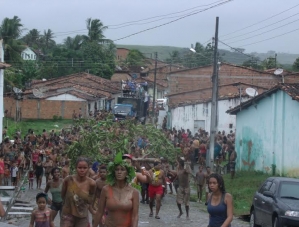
66,17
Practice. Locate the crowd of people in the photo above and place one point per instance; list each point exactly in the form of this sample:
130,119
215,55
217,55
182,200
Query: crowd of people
108,192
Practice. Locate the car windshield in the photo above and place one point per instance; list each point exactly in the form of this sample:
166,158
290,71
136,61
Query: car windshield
289,190
124,109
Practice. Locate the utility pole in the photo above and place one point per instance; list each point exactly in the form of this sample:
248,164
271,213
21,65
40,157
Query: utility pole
154,92
214,104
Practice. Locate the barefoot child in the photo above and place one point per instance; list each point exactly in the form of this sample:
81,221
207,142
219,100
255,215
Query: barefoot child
31,177
42,215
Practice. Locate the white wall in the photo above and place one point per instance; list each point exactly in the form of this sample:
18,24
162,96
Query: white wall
184,117
1,89
28,54
65,97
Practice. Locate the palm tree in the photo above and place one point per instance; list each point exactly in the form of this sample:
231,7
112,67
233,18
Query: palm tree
32,38
73,43
95,31
47,39
10,31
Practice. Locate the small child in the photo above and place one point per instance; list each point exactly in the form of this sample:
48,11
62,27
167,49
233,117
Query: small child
6,175
14,174
42,215
31,177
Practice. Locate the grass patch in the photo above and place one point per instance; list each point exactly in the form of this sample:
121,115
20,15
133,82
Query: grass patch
36,125
242,188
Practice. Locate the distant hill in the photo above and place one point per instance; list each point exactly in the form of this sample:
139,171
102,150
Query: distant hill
228,56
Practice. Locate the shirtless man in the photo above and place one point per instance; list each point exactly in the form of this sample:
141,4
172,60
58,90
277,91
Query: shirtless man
66,169
183,195
100,183
53,157
156,179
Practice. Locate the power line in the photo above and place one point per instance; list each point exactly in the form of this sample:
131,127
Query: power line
238,50
261,21
129,23
270,38
260,28
265,32
165,14
136,33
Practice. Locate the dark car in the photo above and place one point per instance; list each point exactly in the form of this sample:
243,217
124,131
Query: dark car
276,203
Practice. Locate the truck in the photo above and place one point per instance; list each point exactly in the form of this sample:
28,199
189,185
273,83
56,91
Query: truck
129,107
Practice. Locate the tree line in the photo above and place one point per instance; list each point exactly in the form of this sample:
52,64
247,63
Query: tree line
93,53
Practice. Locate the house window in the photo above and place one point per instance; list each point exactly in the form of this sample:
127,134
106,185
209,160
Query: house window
230,125
31,56
88,107
34,57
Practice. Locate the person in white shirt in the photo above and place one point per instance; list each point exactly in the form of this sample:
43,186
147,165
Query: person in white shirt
14,172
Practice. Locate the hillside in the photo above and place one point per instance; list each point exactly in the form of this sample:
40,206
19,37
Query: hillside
228,56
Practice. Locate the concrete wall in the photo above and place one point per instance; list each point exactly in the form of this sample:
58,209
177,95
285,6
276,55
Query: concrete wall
185,117
267,135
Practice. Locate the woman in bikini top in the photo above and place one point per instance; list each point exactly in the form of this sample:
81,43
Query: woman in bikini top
119,198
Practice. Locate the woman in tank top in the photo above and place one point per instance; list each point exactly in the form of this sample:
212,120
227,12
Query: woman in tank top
77,194
220,203
119,198
55,186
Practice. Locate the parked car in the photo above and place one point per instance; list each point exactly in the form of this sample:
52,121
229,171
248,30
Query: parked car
276,203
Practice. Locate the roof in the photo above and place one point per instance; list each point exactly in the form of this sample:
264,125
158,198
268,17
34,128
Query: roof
291,89
81,85
231,84
120,75
204,95
222,63
3,65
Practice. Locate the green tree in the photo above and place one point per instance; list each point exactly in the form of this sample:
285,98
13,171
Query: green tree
10,31
270,63
201,57
73,43
253,63
296,65
174,57
32,38
47,40
95,31
135,58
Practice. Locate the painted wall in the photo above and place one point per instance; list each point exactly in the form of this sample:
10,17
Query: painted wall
28,54
185,117
267,135
65,97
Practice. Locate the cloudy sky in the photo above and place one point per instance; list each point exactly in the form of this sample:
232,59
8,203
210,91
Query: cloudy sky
243,23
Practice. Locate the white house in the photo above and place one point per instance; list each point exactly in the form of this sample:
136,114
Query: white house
192,109
267,131
28,54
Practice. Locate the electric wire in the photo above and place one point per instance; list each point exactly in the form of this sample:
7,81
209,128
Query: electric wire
259,21
265,32
172,21
261,28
